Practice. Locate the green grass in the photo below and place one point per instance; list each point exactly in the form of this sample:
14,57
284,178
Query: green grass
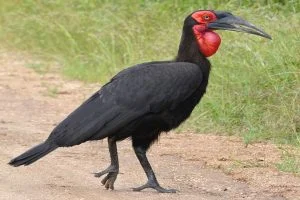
254,86
52,91
290,162
40,68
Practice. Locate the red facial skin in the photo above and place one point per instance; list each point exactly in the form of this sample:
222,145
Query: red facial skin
208,41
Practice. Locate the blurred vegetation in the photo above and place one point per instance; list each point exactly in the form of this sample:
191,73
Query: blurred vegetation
290,161
254,86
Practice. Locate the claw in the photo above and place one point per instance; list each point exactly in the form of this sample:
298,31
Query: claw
104,180
109,180
154,186
110,169
99,174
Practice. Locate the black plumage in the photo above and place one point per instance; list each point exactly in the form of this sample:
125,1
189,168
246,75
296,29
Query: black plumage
139,102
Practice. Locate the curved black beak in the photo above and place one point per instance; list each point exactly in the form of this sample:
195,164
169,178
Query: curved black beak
227,21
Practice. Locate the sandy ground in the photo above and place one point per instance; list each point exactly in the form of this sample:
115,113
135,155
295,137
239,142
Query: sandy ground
199,166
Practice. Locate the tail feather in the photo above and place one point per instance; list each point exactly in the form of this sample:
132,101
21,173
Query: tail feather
33,154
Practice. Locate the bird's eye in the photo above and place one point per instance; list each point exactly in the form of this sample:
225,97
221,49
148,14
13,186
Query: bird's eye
206,17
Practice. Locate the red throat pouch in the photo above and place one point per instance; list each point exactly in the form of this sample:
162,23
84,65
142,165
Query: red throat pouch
208,41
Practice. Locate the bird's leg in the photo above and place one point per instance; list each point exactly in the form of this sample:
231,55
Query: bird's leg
140,152
113,170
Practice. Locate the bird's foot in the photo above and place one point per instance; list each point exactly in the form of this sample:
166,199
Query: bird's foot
156,186
110,169
109,180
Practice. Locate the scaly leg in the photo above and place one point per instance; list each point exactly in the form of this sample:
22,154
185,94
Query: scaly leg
113,170
152,182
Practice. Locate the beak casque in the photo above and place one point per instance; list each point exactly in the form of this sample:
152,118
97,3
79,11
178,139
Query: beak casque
227,21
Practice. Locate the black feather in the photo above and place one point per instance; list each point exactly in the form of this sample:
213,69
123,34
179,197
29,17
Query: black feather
139,102
33,154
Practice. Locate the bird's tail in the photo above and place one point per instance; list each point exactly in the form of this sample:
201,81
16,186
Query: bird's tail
33,154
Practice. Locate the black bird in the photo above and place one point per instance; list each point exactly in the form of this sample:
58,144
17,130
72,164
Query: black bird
146,99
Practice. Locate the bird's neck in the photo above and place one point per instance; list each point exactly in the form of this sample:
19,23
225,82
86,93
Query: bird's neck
189,52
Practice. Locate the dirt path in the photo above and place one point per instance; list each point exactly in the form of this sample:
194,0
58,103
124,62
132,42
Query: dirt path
199,166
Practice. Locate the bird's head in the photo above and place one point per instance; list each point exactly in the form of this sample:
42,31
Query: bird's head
204,22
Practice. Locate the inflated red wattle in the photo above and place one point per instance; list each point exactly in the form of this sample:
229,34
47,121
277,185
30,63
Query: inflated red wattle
208,41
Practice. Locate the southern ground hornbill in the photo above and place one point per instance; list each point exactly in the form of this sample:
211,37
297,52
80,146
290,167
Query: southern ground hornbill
144,100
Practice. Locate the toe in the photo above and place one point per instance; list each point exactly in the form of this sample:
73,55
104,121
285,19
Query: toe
109,180
156,187
111,186
168,191
138,189
104,180
106,185
98,174
163,190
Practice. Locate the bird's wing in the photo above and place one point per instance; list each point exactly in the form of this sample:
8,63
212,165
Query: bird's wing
134,92
155,86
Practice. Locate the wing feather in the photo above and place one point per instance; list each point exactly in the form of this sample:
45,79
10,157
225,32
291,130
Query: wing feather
134,92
